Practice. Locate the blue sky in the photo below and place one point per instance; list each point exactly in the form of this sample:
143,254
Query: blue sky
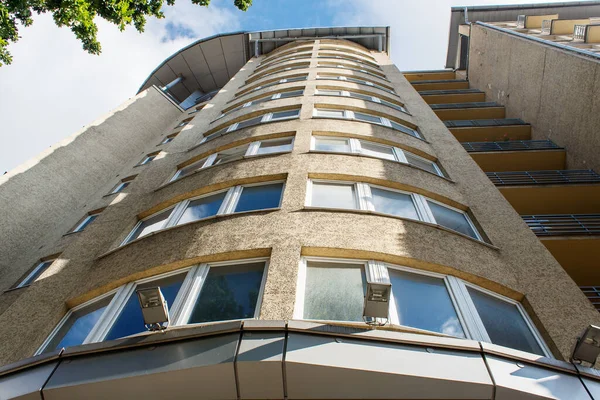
53,88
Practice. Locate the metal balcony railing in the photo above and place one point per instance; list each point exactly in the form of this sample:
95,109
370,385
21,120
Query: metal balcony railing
479,104
449,91
484,122
546,26
564,224
567,176
579,32
510,145
593,295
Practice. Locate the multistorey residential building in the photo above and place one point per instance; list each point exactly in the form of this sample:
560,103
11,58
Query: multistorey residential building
263,181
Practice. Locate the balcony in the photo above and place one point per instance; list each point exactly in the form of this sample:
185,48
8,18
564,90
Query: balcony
522,155
593,295
442,84
430,75
550,192
489,130
469,111
574,240
452,96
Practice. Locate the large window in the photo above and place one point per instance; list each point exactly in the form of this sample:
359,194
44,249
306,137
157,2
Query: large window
276,96
367,197
356,95
334,289
354,80
262,74
261,119
269,84
352,68
251,197
296,56
358,146
203,293
364,117
253,149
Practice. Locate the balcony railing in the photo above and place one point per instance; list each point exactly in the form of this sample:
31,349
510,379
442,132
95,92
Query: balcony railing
564,224
484,122
479,104
593,295
546,26
449,91
521,21
579,32
568,176
510,145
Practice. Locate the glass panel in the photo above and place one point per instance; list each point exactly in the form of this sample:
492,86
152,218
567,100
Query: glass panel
332,144
191,168
88,220
37,271
258,101
423,302
451,219
229,293
377,150
333,195
120,187
249,122
420,163
504,323
404,129
329,92
259,197
367,118
275,146
361,96
334,291
285,114
296,79
150,225
230,155
392,105
330,113
74,331
293,93
389,202
130,319
202,208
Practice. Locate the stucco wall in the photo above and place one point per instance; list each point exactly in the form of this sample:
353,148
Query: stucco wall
516,264
556,91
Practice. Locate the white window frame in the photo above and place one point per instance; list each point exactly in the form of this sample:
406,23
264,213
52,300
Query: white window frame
350,115
227,207
356,148
182,305
80,226
364,202
34,271
464,307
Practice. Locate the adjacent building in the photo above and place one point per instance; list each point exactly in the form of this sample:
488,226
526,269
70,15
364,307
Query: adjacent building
268,183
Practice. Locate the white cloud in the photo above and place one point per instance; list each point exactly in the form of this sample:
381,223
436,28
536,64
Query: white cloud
53,87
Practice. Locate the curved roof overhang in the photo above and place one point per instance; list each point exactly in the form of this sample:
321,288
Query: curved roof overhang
208,64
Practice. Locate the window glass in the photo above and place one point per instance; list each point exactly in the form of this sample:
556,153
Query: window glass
333,195
291,94
202,208
423,302
367,118
377,150
150,225
334,291
326,92
451,219
394,203
37,271
504,323
421,163
285,114
230,154
258,101
249,122
332,144
275,146
330,113
404,129
259,197
392,105
191,168
120,187
229,293
79,324
88,220
361,96
130,320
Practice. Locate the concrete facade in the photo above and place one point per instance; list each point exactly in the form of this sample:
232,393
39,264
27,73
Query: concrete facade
553,89
511,261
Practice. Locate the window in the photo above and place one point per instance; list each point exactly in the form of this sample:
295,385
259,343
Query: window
372,149
334,289
368,197
85,221
269,84
276,96
346,57
35,273
356,95
355,80
251,197
119,187
359,116
168,139
351,68
203,293
258,148
269,117
264,73
148,158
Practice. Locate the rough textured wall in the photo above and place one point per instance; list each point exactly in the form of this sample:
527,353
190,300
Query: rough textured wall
556,91
44,198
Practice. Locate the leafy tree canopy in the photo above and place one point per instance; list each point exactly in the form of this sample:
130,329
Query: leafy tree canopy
79,16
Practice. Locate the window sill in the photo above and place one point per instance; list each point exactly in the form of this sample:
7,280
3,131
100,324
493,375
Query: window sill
382,159
365,212
213,218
